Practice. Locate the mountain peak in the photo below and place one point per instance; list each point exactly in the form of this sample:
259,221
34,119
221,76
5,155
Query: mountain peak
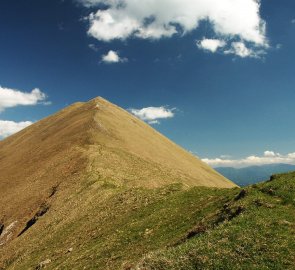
98,100
91,143
104,132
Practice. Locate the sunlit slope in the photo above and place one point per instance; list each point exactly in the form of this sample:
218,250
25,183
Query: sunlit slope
36,160
253,230
94,141
102,226
130,151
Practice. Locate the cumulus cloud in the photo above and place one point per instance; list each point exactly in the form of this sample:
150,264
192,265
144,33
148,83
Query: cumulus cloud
152,115
154,19
11,98
112,57
241,50
271,154
237,48
8,128
268,157
211,45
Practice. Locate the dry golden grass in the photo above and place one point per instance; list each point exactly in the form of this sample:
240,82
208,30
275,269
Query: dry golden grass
135,154
87,143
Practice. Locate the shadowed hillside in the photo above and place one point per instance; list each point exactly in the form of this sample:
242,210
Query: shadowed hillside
87,144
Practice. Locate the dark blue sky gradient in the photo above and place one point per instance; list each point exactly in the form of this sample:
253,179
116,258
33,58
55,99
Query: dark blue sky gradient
225,105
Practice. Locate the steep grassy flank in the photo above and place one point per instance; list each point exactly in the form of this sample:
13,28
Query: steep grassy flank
112,227
260,235
92,187
104,226
96,139
132,152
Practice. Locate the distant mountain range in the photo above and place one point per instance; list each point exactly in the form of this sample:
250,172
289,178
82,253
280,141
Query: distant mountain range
253,174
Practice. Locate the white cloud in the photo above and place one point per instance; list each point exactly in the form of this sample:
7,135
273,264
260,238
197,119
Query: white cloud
154,19
237,48
93,47
154,122
93,3
293,21
153,114
241,50
112,57
11,98
269,157
211,45
271,154
8,128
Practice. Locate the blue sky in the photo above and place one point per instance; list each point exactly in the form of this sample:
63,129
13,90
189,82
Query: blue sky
222,75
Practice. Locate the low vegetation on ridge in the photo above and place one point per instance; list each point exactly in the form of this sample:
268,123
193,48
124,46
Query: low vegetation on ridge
254,230
168,228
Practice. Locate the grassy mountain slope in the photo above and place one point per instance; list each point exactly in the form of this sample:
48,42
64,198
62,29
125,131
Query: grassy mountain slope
254,174
37,160
134,154
92,187
87,144
102,226
255,230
